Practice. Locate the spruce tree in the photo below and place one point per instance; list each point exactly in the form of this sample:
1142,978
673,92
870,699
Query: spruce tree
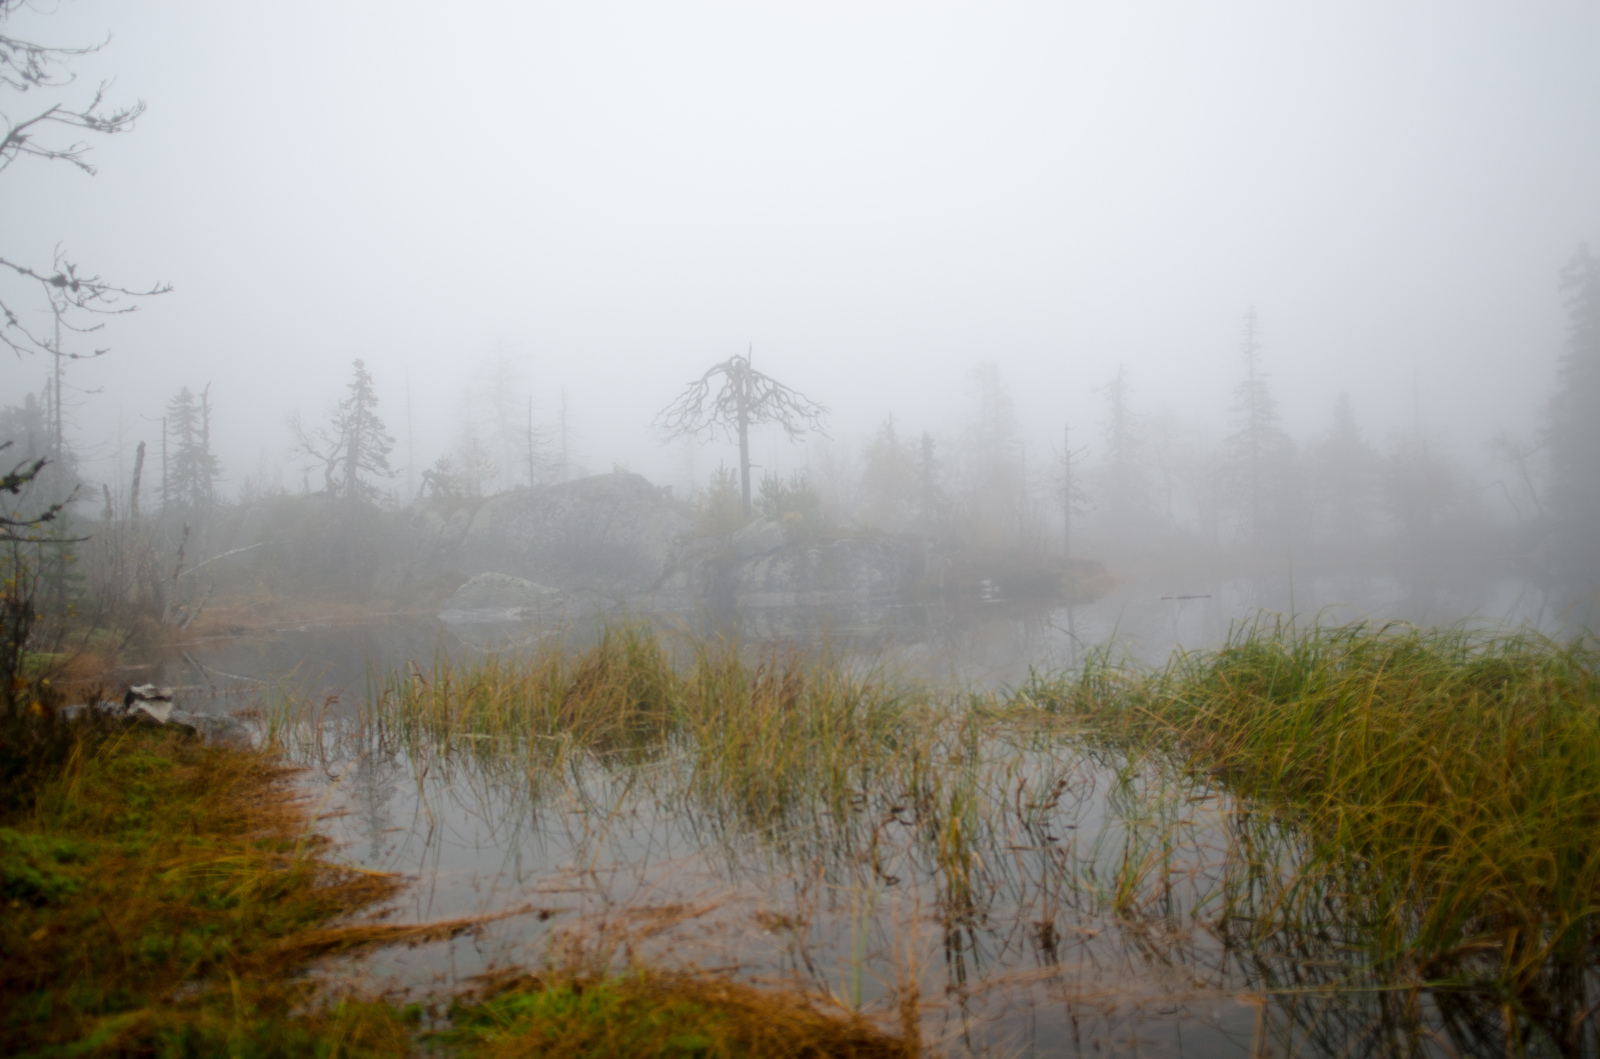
364,443
192,478
1345,470
1124,488
1259,454
1573,425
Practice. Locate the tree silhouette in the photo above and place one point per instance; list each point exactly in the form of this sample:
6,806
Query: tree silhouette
1572,430
743,399
353,446
195,468
1258,452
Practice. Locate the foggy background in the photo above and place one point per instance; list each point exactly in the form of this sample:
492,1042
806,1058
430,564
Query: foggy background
878,197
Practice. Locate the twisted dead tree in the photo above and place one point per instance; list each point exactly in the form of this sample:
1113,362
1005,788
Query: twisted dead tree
729,399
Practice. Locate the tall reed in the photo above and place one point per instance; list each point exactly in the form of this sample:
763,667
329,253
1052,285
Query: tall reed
1442,788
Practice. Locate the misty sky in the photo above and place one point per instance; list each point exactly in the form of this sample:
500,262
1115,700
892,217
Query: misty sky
877,196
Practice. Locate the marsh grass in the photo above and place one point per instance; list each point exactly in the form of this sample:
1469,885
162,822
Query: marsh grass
161,891
790,765
817,760
1430,798
166,898
1341,818
668,1015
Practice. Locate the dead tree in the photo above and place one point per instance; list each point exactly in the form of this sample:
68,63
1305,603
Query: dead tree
54,133
744,398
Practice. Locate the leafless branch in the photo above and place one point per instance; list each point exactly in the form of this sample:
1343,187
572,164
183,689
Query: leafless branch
20,529
746,392
57,133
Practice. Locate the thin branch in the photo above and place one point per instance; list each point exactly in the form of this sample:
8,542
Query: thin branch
761,399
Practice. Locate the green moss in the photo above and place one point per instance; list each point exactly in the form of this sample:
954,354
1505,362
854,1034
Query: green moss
608,1017
31,867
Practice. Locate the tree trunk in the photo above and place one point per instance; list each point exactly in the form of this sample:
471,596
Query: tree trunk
1066,513
744,446
352,464
138,472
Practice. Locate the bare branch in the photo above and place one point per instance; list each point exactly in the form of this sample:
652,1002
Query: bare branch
759,398
20,529
56,132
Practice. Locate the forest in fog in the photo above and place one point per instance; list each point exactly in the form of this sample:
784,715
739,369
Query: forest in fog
1134,487
1344,326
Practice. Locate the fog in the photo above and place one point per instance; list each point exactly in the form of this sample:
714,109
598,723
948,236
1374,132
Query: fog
586,205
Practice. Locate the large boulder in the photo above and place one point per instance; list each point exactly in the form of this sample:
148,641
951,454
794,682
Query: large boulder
849,571
611,534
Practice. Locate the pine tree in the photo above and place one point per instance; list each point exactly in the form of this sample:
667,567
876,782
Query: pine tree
364,442
996,500
352,447
1259,454
1123,487
888,480
1572,430
1345,471
195,468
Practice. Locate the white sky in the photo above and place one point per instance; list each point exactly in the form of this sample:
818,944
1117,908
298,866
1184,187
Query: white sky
875,195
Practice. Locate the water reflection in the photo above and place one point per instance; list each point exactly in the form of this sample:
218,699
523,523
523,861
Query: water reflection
1080,917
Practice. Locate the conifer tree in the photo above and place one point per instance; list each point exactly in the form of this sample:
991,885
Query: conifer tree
1259,454
353,447
1572,430
192,478
1123,487
1345,471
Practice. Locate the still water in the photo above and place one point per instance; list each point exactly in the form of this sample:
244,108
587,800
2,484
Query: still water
1035,938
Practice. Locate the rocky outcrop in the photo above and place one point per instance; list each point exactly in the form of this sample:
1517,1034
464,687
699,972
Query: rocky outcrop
849,570
615,535
616,542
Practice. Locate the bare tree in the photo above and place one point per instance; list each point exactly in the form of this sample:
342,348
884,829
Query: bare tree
744,398
54,133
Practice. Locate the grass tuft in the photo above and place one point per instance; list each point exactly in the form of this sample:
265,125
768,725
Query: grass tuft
1442,788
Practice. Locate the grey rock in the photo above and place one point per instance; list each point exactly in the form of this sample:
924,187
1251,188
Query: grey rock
760,537
852,570
611,534
153,712
218,731
161,713
504,592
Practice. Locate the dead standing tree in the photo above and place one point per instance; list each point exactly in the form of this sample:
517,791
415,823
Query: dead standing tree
745,398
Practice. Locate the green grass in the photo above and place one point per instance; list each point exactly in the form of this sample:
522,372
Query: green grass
1358,809
674,1017
144,879
165,898
1430,797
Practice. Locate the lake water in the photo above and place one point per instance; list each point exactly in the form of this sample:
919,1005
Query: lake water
1047,952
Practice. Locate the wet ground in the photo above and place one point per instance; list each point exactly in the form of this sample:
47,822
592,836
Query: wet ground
1041,955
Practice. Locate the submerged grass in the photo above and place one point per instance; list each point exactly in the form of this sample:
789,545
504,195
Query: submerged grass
166,898
770,741
1441,789
1362,807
